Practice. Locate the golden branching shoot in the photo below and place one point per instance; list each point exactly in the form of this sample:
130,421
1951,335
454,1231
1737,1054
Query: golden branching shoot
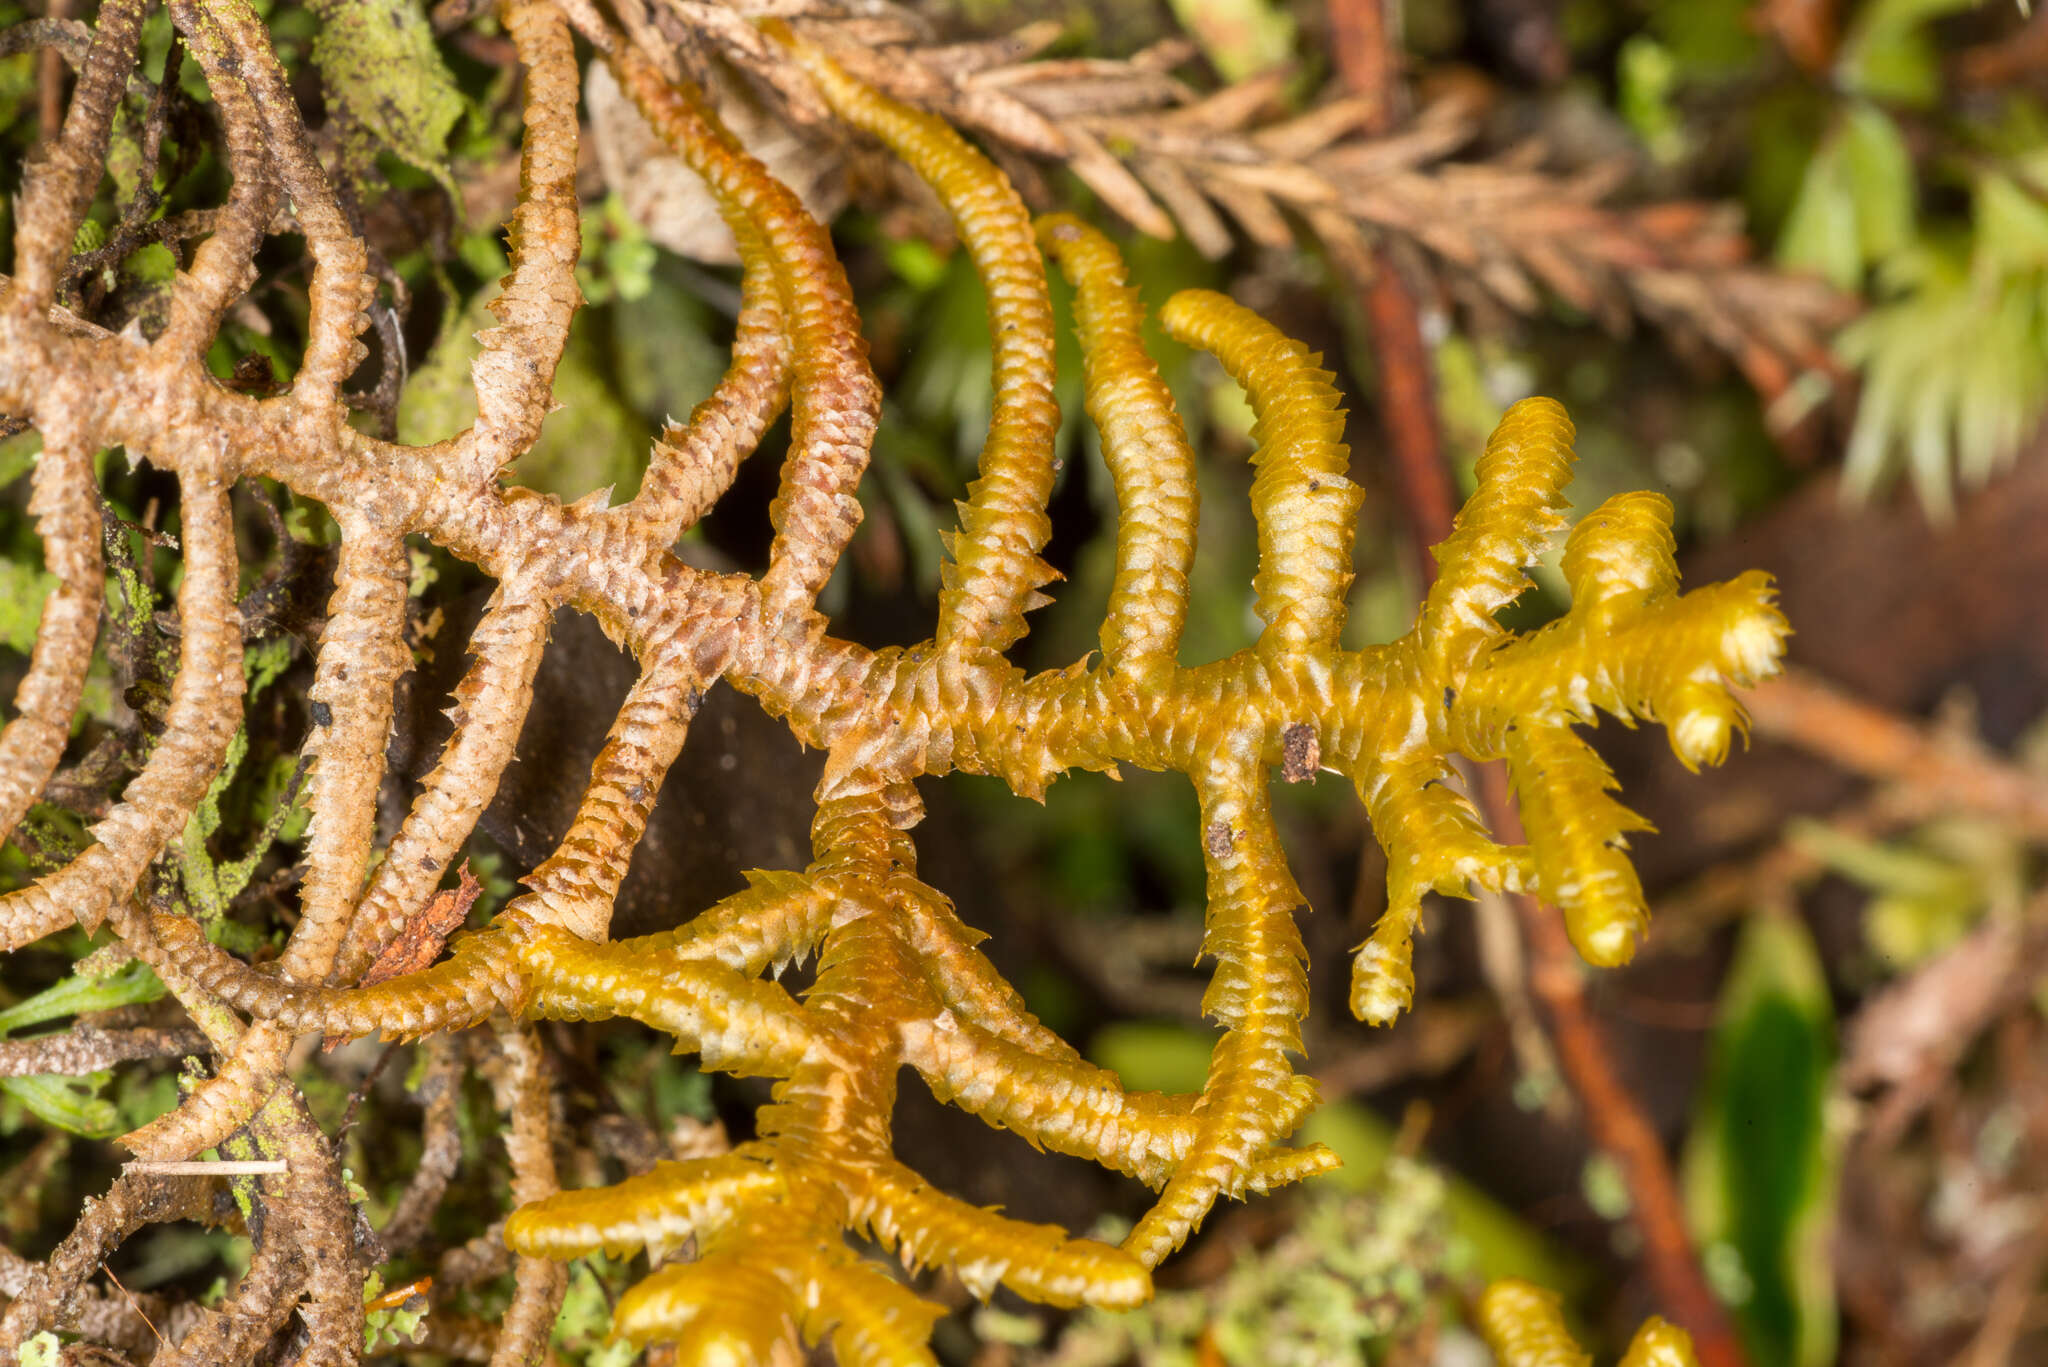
899,981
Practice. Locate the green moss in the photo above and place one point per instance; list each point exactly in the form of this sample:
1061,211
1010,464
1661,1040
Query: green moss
385,79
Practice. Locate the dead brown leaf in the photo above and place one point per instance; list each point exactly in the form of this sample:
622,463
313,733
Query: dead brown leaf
420,942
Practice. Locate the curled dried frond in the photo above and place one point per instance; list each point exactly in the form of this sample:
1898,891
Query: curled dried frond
899,981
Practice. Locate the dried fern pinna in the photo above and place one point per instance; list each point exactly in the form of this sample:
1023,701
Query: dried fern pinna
899,981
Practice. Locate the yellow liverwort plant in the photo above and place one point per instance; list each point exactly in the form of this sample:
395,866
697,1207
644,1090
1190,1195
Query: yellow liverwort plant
899,981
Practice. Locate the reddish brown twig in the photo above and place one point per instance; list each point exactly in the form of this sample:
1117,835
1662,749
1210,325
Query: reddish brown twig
1368,58
2016,56
1408,412
50,73
1950,771
1614,1119
1809,31
1371,63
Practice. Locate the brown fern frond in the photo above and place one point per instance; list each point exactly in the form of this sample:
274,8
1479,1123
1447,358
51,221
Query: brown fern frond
57,190
514,370
658,1211
1237,162
538,1283
362,656
925,1227
224,264
490,702
341,286
835,399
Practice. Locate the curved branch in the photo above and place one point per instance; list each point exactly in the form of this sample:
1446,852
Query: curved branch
996,573
490,706
577,885
225,263
1305,503
341,287
514,372
1259,994
1144,445
205,707
65,506
835,400
355,678
59,189
538,1284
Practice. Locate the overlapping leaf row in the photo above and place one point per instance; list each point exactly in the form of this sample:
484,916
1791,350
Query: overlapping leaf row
899,981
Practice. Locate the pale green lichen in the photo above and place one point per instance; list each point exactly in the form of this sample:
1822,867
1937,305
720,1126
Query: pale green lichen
1354,1273
385,80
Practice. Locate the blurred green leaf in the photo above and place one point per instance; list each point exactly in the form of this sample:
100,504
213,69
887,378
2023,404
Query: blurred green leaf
1955,367
665,358
1154,1056
1708,39
1928,888
1855,206
2012,227
1888,53
484,254
69,1103
23,589
437,401
916,262
1648,77
582,1328
1878,173
618,258
18,453
1761,1167
592,440
1239,37
130,985
1820,233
